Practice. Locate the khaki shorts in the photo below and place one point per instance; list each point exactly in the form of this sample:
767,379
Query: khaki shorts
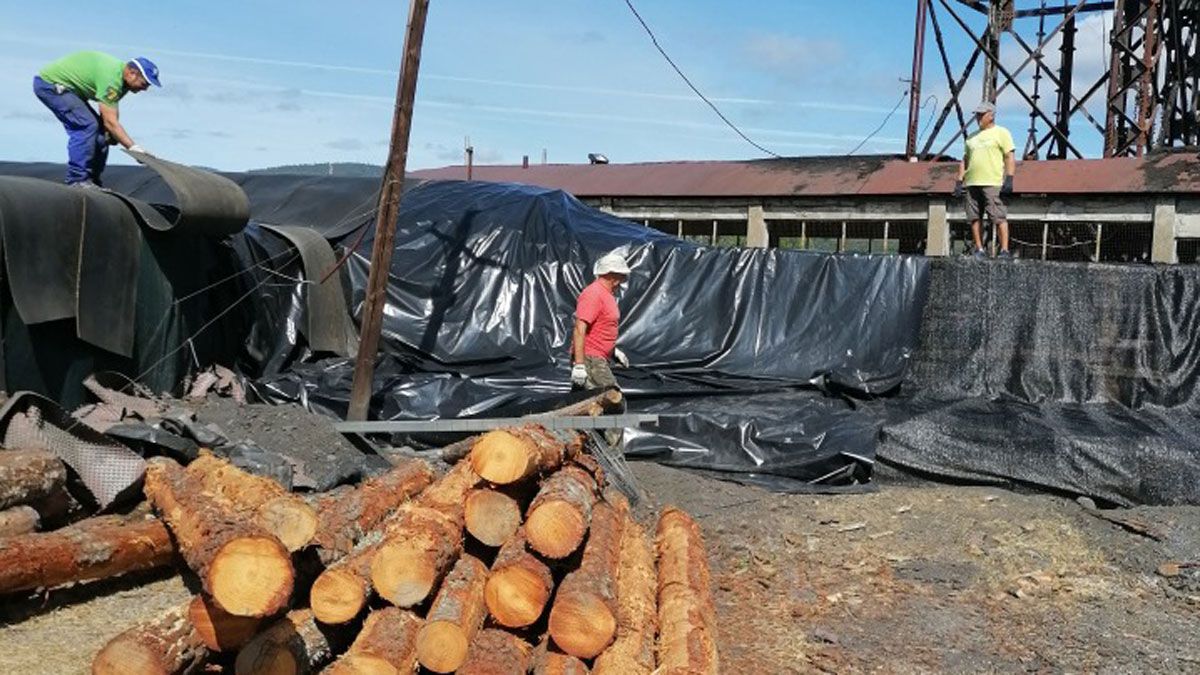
982,199
599,374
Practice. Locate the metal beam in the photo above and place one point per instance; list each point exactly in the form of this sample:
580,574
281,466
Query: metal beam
488,424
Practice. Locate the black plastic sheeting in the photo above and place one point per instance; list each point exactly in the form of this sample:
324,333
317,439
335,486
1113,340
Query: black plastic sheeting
480,309
1078,378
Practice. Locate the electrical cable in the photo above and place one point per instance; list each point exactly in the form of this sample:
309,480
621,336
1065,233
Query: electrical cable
881,125
704,98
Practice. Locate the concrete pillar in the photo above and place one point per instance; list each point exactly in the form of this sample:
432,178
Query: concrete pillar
1162,247
937,230
757,235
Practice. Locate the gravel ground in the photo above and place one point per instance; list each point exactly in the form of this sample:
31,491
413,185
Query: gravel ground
913,578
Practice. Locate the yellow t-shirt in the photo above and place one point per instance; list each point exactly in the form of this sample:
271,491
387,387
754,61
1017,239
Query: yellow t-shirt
985,156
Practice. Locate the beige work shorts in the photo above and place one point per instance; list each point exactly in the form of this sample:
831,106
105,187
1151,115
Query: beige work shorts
982,199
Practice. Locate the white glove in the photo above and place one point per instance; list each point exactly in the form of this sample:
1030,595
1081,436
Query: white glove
137,148
579,375
619,357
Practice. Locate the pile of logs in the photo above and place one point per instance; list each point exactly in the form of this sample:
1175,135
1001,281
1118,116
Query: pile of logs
518,559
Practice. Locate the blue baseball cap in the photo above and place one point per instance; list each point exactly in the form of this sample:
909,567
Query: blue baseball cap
148,70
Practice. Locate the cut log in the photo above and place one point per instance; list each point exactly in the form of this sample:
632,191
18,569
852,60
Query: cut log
507,456
95,548
519,586
29,475
423,540
294,644
454,617
559,515
492,516
583,619
342,590
241,566
605,401
19,520
632,652
347,517
547,661
686,617
219,630
496,652
287,516
385,646
165,645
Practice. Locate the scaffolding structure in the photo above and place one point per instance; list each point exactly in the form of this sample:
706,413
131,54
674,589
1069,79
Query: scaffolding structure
1150,92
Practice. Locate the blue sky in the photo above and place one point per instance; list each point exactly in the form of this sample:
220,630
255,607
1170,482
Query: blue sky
255,83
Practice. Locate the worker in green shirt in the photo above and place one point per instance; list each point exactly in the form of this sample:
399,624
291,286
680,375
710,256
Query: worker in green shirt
986,171
66,86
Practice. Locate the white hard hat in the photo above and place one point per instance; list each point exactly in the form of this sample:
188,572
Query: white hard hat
611,263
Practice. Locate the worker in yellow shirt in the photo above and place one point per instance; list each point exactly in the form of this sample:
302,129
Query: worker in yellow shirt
986,172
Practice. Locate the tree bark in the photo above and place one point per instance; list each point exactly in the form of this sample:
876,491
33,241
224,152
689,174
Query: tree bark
286,516
241,566
29,475
219,630
454,617
560,513
342,590
492,516
165,645
423,541
347,517
17,520
632,652
507,456
96,548
686,617
294,644
385,646
496,652
583,619
519,586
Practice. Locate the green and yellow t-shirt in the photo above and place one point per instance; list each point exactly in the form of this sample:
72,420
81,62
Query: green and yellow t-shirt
985,156
94,76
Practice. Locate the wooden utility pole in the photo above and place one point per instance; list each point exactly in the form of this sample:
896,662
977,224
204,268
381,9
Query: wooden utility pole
389,206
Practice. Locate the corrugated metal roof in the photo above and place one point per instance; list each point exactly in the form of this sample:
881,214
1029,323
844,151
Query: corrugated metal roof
836,176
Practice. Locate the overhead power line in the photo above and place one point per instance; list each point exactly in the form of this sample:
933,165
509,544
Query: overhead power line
704,98
881,124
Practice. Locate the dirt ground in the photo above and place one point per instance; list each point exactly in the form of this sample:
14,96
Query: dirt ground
913,578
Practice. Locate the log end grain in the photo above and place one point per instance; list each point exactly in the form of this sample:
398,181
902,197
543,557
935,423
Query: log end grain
123,656
219,630
492,517
337,596
582,624
266,658
502,457
442,646
516,596
403,575
292,521
555,529
251,576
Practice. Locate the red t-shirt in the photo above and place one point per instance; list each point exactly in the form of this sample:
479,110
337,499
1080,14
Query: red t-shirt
598,307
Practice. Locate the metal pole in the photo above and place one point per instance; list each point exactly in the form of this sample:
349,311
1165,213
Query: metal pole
389,206
1146,83
1117,85
914,92
1066,77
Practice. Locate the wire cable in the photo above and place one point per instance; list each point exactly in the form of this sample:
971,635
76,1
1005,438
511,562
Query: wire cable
704,98
881,125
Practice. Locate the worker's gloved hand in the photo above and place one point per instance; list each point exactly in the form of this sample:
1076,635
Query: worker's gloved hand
958,189
137,148
619,357
579,375
1007,187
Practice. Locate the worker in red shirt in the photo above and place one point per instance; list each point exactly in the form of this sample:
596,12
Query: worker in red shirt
594,341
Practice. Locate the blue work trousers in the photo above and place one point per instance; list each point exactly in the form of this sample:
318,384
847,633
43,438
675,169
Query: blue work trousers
87,143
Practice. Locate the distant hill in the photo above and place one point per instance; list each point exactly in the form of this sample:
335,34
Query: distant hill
349,169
